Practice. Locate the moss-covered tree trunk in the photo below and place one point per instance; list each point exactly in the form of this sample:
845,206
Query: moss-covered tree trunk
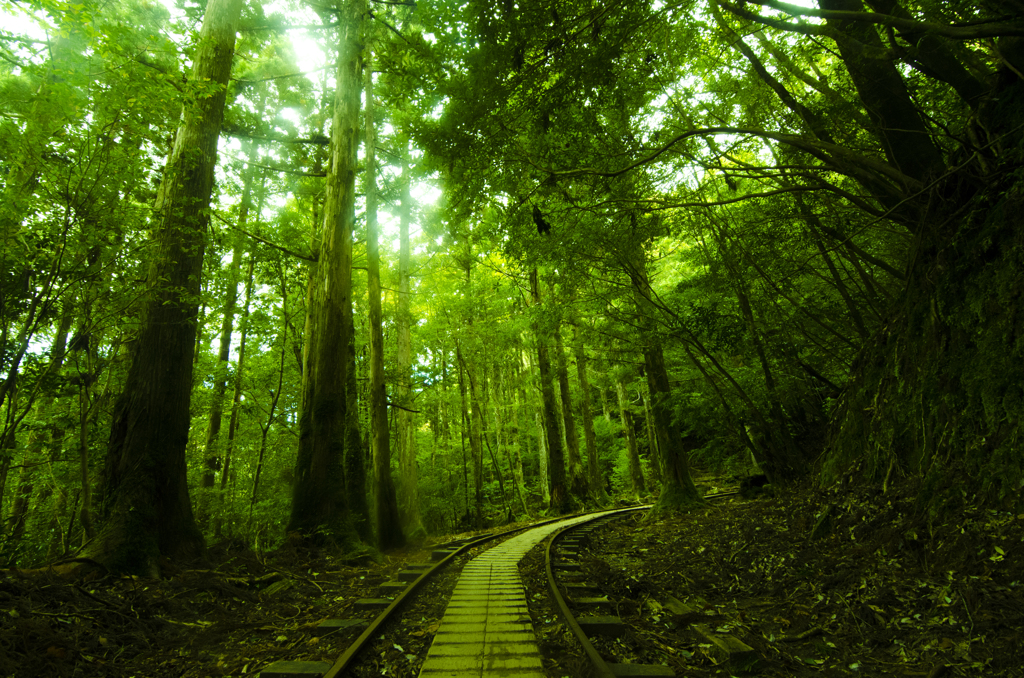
559,493
535,403
476,449
936,392
897,122
579,488
587,417
652,431
149,514
318,496
214,461
356,490
636,474
465,430
236,398
409,472
385,497
677,488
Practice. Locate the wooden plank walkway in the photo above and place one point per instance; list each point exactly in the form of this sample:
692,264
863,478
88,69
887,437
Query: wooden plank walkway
486,630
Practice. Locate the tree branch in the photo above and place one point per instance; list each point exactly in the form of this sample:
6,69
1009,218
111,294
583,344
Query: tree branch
390,27
235,131
806,29
172,78
247,81
817,148
283,170
959,32
306,257
289,27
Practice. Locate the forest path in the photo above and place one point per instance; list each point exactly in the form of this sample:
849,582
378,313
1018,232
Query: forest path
486,628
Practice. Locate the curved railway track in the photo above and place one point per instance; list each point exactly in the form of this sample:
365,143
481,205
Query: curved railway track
442,556
566,543
502,618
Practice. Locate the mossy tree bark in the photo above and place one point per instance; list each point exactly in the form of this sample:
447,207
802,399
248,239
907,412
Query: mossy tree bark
652,431
587,417
386,518
214,461
905,140
475,423
559,503
579,488
149,514
318,498
636,474
236,398
409,472
677,488
465,431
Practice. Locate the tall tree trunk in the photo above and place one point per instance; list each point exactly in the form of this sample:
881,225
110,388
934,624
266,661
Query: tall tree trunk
549,412
652,431
34,449
521,418
464,429
19,511
677,488
85,352
636,474
236,398
86,411
475,422
386,518
542,455
275,396
318,493
8,444
355,451
577,477
409,495
214,462
898,125
497,469
51,497
145,483
605,408
56,547
515,471
587,415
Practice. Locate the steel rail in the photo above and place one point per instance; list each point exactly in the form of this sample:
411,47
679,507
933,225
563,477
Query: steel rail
601,667
357,645
597,661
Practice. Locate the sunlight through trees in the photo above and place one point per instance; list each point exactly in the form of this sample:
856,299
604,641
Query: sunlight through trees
494,260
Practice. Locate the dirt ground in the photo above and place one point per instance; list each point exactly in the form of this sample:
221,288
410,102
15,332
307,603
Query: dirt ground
841,582
817,583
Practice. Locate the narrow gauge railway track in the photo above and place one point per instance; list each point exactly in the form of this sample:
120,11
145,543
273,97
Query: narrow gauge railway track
583,626
417,577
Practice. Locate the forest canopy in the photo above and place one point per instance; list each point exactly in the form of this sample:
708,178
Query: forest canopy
353,272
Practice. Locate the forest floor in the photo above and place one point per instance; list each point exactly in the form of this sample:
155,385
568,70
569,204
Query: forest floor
879,591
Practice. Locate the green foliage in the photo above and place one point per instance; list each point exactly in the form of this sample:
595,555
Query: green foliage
958,413
717,186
